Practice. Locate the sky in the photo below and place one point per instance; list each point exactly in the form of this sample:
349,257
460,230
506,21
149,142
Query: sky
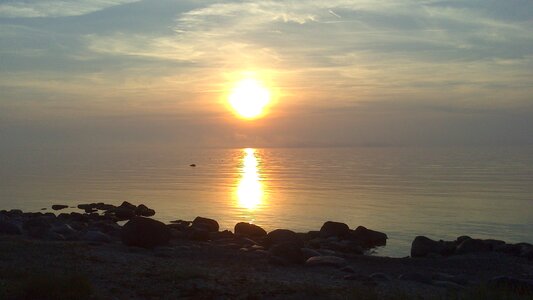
97,73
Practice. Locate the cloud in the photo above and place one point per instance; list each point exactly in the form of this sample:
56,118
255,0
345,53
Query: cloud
55,8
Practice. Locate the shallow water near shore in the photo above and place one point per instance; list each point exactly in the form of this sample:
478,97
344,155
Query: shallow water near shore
438,192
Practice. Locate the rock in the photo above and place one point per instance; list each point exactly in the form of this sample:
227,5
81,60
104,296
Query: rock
145,232
250,230
180,225
337,229
90,210
289,252
15,212
423,246
416,277
9,228
207,224
369,238
508,282
308,253
103,206
472,246
59,206
123,213
313,235
282,236
96,236
128,205
143,210
333,261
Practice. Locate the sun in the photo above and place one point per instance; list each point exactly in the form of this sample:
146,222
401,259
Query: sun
249,98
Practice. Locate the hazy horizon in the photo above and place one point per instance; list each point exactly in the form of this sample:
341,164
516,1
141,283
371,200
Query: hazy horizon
344,73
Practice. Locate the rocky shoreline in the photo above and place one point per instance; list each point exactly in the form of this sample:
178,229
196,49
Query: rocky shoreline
331,262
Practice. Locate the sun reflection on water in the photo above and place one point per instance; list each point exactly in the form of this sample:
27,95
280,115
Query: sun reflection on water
250,189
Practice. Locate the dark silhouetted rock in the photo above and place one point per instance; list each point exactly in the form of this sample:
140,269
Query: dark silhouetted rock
288,252
472,246
145,232
143,210
423,246
369,238
334,229
104,206
59,207
250,230
333,261
9,228
192,165
128,205
282,236
123,213
206,224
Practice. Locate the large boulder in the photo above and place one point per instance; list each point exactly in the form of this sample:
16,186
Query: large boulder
279,236
250,230
145,232
59,206
205,224
424,246
369,238
331,228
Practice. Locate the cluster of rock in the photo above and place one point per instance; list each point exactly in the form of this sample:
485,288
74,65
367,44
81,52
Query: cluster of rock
425,247
125,211
282,246
63,227
89,226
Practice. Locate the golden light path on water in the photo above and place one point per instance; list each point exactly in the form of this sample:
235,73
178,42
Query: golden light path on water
250,188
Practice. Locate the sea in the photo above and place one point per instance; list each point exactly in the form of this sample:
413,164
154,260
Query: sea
439,192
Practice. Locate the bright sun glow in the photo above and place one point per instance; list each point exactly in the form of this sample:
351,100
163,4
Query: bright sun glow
249,98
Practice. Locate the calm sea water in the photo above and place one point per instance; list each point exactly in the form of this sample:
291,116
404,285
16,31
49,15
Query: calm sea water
404,192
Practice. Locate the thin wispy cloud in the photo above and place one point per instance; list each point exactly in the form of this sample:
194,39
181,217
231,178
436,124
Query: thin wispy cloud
55,8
